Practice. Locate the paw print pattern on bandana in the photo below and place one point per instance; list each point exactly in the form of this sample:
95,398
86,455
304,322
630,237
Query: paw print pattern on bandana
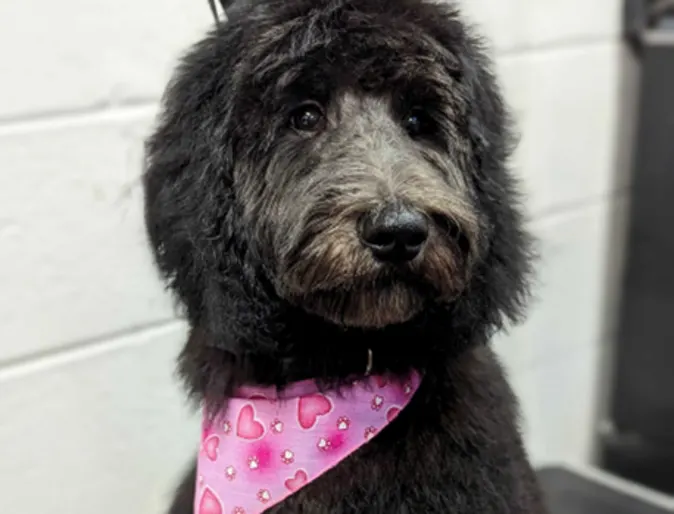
264,496
230,473
253,463
276,426
264,447
343,423
287,457
369,433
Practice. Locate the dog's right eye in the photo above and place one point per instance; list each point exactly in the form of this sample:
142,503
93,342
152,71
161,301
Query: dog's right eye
307,118
417,123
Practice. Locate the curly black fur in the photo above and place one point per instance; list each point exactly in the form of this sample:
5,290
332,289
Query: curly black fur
457,447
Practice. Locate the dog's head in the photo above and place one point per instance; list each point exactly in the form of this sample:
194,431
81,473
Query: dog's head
345,159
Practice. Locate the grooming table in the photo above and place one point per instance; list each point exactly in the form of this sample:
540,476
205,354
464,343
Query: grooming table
571,491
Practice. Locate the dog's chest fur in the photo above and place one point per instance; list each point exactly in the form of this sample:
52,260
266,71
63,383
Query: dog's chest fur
454,449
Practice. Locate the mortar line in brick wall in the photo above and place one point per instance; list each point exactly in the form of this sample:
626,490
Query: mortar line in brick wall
85,348
561,210
561,45
68,117
55,117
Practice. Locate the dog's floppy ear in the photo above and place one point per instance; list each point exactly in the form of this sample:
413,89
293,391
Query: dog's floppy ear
224,4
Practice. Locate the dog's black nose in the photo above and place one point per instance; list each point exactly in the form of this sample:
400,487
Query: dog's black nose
395,234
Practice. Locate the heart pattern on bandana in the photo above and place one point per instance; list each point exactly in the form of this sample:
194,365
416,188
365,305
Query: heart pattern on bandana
381,381
296,482
247,426
309,408
392,413
265,446
209,504
211,445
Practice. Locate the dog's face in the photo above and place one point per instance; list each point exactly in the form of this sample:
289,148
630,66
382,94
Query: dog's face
345,157
362,202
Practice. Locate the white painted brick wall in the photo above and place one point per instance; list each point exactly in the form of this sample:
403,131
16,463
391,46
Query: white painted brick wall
91,414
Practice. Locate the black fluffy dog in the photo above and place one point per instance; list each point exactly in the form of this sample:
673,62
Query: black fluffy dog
329,178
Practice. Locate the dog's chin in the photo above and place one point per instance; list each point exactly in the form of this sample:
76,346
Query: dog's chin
372,308
367,294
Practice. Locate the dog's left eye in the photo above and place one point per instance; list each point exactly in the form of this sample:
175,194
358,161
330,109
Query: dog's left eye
417,123
307,118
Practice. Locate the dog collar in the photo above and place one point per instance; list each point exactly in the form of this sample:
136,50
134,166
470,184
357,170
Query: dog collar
263,447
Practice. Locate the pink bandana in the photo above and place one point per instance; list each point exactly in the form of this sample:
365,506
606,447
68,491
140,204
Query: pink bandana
263,447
